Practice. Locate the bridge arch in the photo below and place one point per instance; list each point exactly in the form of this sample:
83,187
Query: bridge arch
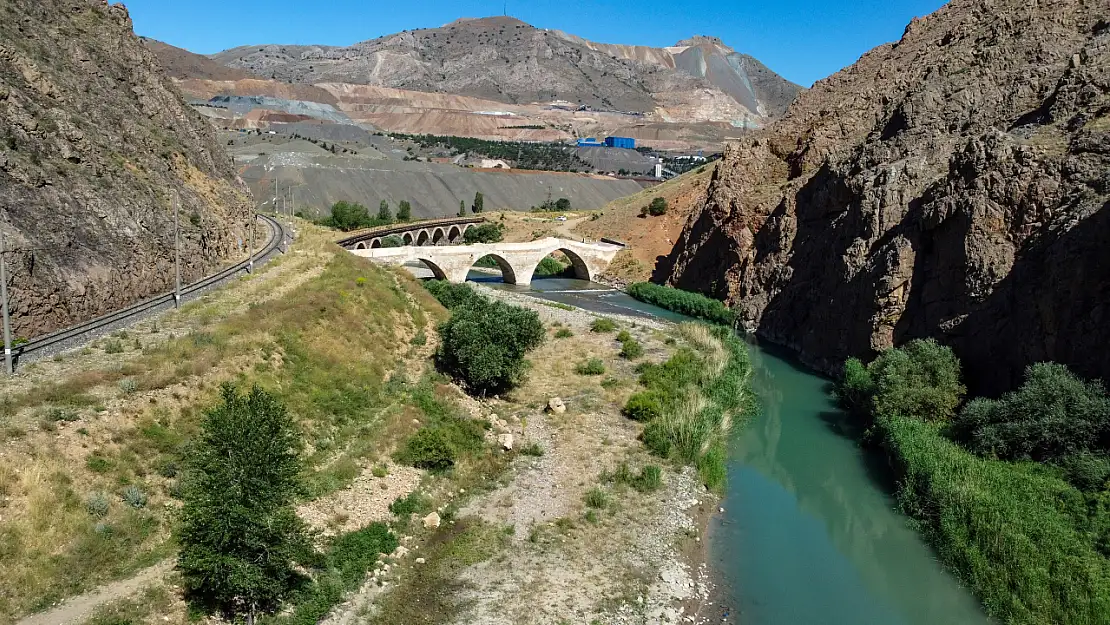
438,235
436,270
508,272
454,234
422,238
361,245
407,238
375,244
578,264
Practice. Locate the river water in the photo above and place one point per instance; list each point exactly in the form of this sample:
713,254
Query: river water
810,534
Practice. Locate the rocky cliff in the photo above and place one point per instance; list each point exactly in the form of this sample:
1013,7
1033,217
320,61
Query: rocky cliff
95,144
954,184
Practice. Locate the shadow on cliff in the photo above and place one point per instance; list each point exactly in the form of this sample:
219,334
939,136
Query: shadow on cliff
1053,306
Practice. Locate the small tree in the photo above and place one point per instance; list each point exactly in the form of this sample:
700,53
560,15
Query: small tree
484,342
485,233
479,203
658,207
462,208
348,216
384,213
562,204
404,211
241,540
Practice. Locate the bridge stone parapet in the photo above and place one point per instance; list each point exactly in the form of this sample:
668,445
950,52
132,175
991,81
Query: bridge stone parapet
518,261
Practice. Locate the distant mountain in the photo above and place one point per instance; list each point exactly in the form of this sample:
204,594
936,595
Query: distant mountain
506,60
180,63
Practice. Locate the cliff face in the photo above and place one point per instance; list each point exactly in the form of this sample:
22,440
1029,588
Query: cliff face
95,143
954,185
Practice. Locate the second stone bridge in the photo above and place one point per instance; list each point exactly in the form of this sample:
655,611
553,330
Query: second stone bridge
518,261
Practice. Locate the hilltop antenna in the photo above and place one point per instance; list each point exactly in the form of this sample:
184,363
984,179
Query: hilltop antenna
506,8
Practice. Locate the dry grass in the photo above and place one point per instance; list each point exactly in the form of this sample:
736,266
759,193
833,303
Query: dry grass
319,327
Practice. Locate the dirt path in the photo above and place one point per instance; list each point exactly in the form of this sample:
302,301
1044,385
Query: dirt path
78,609
566,228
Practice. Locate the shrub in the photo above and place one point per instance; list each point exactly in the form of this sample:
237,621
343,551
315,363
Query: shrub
1054,414
380,470
596,498
551,267
451,296
656,208
484,233
128,386
484,343
429,449
563,333
392,241
115,346
631,350
623,336
682,302
643,406
603,325
649,479
134,497
1088,472
532,448
593,366
920,380
412,503
97,505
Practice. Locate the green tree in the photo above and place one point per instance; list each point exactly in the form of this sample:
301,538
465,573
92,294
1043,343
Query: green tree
347,216
658,207
562,204
242,544
404,211
484,342
384,213
462,208
920,380
479,203
485,233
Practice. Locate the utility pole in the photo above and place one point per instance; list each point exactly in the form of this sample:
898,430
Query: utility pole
7,319
176,252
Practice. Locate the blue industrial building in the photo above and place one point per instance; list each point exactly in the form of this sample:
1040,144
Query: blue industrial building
589,143
621,142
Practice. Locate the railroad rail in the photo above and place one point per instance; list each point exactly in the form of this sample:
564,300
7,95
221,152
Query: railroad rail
60,339
366,235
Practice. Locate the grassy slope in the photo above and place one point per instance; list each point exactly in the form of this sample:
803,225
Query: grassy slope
652,236
324,347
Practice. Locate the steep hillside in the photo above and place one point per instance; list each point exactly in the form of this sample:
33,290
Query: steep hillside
648,238
95,143
180,63
506,60
953,184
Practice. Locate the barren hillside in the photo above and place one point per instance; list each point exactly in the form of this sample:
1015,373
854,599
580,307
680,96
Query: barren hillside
95,144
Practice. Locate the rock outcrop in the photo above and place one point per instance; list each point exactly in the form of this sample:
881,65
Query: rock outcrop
954,184
95,145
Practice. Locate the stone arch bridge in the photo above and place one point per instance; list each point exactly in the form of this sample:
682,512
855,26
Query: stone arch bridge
436,232
518,261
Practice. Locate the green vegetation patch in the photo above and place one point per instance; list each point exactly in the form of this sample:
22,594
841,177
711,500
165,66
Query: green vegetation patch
683,302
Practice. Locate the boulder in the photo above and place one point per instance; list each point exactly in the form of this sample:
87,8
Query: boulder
506,441
431,521
556,406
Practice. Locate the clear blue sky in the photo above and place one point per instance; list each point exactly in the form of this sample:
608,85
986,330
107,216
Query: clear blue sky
804,40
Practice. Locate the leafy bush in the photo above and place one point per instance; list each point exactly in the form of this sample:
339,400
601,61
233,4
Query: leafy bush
593,366
97,505
603,325
563,333
484,343
551,267
656,208
348,216
643,406
1054,414
134,497
1088,472
114,346
451,296
484,233
429,449
128,386
682,302
631,349
920,380
413,503
392,241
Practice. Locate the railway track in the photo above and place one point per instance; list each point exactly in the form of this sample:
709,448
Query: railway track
54,342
